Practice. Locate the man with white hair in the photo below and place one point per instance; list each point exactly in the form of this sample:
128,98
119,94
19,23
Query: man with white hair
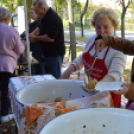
51,37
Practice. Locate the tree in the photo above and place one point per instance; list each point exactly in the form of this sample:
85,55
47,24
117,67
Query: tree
125,4
29,5
90,11
72,30
13,4
12,7
59,4
132,11
82,14
71,5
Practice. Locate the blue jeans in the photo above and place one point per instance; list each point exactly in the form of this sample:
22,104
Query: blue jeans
38,69
53,66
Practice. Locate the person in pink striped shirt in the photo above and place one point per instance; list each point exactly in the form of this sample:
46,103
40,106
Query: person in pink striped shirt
10,48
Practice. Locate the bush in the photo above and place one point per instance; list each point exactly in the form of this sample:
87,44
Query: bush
119,26
65,22
128,27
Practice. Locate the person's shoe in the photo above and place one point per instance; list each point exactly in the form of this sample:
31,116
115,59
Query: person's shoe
7,118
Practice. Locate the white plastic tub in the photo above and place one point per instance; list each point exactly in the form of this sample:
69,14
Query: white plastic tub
49,90
92,121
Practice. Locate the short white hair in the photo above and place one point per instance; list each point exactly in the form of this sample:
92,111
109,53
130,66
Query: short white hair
41,3
5,14
105,12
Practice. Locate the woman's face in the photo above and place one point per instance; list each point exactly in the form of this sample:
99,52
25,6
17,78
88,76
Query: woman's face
34,16
104,26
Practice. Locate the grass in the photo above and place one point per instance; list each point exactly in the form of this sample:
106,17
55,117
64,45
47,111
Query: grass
77,38
79,28
127,75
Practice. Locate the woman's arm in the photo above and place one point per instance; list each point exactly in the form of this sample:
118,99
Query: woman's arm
77,64
116,67
19,47
35,32
67,73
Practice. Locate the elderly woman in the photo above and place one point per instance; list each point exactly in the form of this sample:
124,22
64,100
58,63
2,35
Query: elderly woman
110,64
10,48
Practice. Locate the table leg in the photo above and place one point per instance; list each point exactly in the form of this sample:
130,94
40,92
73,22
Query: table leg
19,70
16,130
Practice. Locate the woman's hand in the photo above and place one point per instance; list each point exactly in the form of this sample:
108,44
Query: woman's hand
89,91
123,91
90,88
99,45
67,73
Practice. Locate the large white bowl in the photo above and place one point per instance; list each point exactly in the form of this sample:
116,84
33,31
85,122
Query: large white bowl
92,121
49,90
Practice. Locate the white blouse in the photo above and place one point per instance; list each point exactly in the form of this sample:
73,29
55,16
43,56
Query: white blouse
115,61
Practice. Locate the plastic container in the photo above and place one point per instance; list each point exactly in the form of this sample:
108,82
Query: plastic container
92,121
49,90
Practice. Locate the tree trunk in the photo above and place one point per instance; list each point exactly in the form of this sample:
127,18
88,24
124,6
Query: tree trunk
56,9
86,19
81,18
81,24
72,30
29,16
29,5
123,25
12,22
124,9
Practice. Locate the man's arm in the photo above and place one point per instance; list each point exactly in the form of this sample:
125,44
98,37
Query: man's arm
43,38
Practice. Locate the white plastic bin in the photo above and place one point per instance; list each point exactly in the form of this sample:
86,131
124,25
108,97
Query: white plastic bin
92,121
49,90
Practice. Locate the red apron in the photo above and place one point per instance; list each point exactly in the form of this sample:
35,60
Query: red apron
99,70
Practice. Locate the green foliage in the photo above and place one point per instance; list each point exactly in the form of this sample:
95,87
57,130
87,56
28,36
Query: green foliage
119,26
63,4
65,22
76,4
118,13
13,4
129,27
10,4
19,2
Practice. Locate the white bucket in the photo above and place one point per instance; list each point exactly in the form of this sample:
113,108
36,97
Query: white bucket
92,121
49,90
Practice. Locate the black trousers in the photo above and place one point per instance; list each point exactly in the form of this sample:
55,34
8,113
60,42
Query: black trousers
4,81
